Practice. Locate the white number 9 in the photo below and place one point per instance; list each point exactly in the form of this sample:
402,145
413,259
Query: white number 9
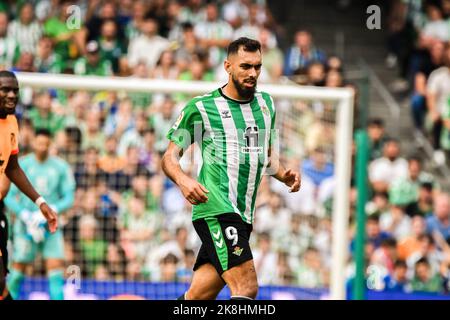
232,234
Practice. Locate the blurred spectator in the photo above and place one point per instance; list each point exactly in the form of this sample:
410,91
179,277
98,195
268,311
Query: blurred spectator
25,63
133,136
148,46
133,27
273,56
110,162
334,79
302,53
26,30
215,34
391,166
116,262
111,48
91,131
396,221
92,249
137,228
440,220
377,135
265,259
385,256
166,67
316,74
317,167
272,214
46,59
410,244
309,273
426,63
185,272
253,25
436,28
438,90
426,249
237,12
398,281
375,235
88,174
168,268
193,12
119,122
93,27
62,36
10,47
162,121
424,279
188,45
93,64
42,115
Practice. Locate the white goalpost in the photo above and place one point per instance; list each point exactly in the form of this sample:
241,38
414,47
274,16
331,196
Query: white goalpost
343,98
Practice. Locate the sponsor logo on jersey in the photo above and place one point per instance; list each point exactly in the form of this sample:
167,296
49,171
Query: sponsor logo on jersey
226,114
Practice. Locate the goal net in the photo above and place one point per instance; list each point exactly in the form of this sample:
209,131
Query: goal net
129,235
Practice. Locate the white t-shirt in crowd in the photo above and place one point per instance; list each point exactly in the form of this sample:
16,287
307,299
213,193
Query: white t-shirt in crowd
439,84
385,170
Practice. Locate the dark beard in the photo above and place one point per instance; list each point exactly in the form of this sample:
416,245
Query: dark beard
246,93
4,112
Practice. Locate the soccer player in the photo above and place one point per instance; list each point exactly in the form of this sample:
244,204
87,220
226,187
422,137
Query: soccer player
9,164
54,179
236,125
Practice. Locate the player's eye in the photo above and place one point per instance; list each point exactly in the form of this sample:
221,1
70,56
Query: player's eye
258,67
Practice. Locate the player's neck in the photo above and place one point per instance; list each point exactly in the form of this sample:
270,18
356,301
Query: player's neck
231,92
41,158
3,114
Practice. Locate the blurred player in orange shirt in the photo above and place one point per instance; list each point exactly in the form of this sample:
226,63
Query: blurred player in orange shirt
9,166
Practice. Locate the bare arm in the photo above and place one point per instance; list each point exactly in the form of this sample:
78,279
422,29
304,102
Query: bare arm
4,186
15,173
18,177
192,190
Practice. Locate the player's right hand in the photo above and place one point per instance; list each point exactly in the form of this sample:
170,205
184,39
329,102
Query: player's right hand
50,216
193,191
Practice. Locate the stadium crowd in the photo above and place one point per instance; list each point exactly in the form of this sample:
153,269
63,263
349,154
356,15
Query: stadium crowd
129,221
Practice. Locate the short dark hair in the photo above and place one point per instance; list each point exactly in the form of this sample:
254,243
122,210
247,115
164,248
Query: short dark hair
7,74
248,44
400,264
376,122
43,132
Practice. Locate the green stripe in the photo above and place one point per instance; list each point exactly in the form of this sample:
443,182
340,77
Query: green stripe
219,133
259,118
219,241
244,159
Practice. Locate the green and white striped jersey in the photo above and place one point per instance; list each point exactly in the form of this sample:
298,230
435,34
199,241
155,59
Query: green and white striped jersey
234,137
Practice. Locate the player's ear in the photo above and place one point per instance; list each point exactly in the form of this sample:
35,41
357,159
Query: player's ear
227,66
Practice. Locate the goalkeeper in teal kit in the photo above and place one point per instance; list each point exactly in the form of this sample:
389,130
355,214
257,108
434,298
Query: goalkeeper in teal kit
53,178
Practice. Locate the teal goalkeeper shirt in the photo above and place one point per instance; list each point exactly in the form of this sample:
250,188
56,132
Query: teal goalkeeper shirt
52,179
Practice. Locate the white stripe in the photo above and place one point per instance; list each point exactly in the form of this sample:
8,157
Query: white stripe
209,131
267,123
232,150
250,121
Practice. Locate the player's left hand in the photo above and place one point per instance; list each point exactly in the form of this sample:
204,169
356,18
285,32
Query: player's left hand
50,216
292,180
